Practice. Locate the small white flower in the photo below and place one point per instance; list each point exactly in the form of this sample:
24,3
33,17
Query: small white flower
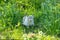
40,32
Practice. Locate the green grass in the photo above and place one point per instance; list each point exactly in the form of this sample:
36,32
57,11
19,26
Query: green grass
46,18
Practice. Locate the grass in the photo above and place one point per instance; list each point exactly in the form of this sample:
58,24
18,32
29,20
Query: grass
46,18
